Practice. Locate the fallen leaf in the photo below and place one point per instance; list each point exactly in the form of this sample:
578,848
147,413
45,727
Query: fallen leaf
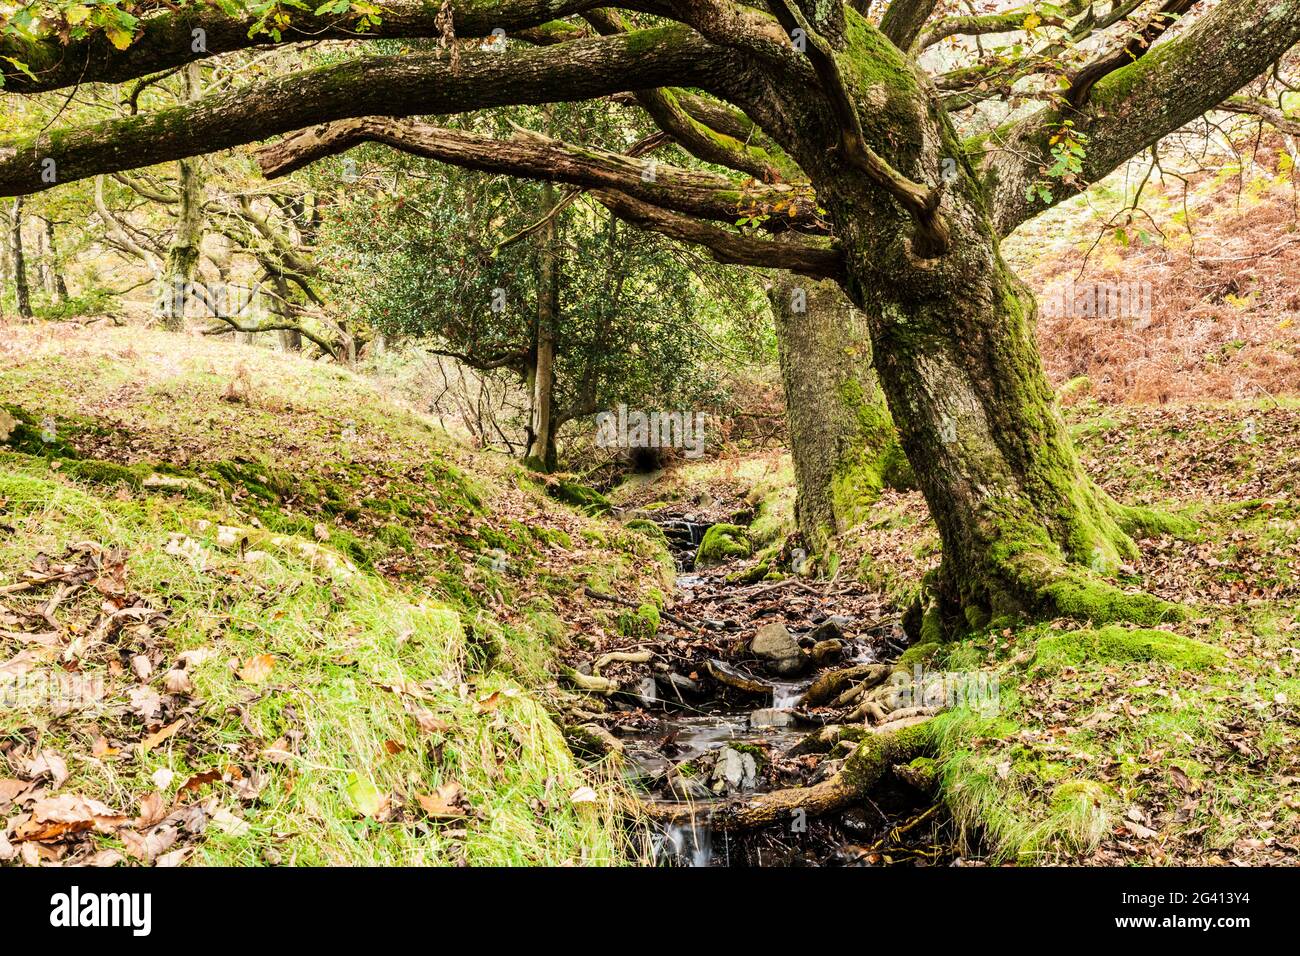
429,723
583,795
148,847
153,740
256,669
447,802
195,656
76,811
178,682
19,664
173,858
366,798
50,763
152,809
142,667
103,858
250,788
100,748
393,747
227,822
11,789
279,751
146,702
199,779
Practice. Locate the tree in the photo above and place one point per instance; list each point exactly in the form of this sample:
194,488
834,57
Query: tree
842,439
18,260
548,295
888,198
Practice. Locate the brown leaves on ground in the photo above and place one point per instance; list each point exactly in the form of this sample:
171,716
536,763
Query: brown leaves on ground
447,802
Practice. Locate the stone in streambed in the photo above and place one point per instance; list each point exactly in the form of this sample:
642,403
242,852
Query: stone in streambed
728,676
644,693
831,629
826,652
770,717
674,686
778,649
734,771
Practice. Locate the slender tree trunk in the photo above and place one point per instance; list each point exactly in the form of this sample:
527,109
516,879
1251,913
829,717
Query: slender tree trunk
542,449
22,294
842,440
183,254
58,287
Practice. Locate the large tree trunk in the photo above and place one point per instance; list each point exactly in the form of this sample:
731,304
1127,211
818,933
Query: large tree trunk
1024,530
842,440
542,449
17,261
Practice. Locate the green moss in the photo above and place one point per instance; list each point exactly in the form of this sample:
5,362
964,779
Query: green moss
641,624
255,478
395,536
580,496
1148,522
1116,645
722,542
33,436
649,529
1078,596
106,473
919,653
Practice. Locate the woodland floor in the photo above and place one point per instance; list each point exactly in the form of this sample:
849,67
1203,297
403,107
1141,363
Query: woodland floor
255,611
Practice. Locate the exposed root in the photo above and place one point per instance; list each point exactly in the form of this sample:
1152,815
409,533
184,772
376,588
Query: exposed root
873,758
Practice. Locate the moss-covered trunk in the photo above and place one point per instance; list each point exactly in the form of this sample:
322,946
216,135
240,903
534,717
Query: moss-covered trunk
1024,530
976,416
842,440
183,253
22,295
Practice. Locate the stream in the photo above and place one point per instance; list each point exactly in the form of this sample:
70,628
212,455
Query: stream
714,723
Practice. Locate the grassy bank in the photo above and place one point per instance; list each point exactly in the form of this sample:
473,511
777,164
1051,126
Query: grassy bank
266,614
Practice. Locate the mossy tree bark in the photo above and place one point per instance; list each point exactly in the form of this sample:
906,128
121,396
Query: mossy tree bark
183,253
541,445
18,261
1022,526
842,440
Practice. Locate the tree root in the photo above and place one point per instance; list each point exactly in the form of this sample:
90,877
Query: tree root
621,657
874,757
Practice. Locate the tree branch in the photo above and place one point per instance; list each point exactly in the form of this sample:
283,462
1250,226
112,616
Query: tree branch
388,85
1136,105
168,40
732,248
533,156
